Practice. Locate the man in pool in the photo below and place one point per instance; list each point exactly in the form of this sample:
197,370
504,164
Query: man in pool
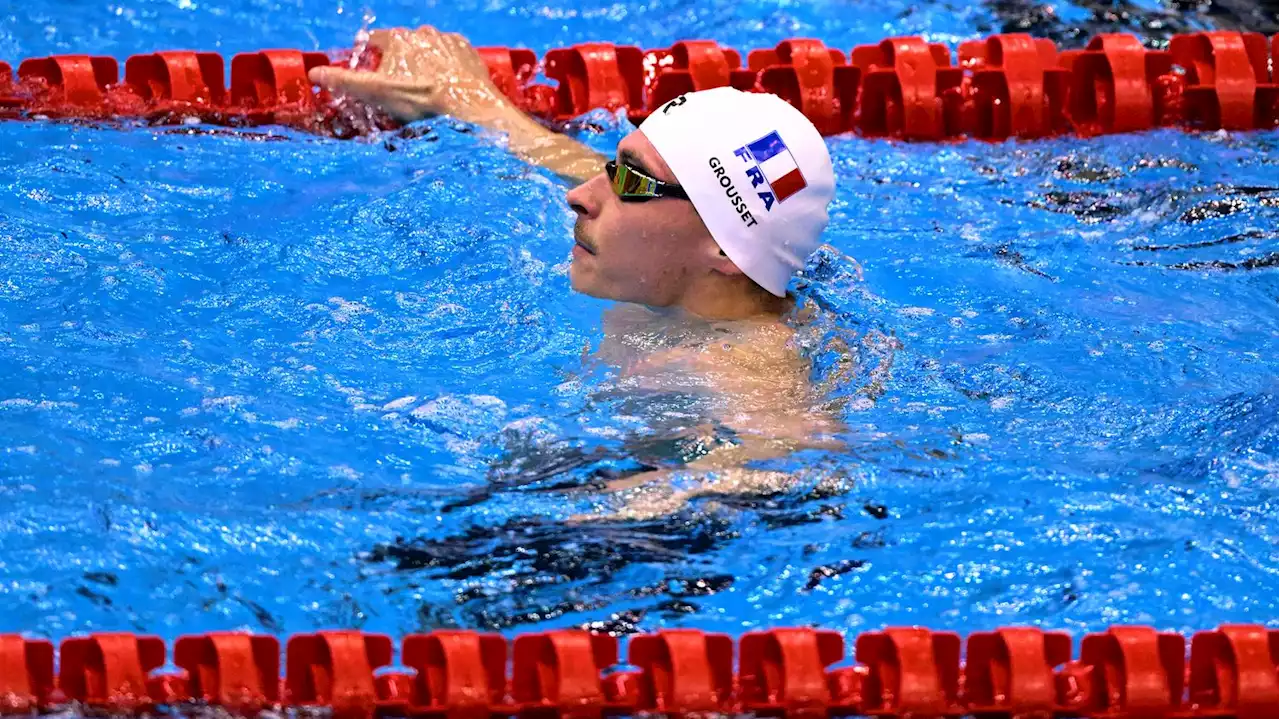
701,220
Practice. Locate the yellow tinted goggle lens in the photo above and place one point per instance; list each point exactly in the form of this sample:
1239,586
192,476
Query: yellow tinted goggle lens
626,182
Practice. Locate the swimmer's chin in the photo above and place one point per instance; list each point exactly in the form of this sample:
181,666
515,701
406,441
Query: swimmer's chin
579,281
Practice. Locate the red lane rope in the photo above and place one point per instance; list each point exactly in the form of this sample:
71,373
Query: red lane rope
1001,87
1126,671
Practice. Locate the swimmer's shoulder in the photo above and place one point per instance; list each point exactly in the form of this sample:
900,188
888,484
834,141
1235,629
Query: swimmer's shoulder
765,338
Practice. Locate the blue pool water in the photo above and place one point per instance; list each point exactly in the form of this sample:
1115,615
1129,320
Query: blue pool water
280,382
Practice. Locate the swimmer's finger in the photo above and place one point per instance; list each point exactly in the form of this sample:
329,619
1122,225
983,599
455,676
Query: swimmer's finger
328,77
400,99
362,84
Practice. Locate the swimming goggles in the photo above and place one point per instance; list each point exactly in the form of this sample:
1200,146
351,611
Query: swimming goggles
633,185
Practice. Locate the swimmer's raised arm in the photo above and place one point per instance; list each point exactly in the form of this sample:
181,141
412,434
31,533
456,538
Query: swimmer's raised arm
425,72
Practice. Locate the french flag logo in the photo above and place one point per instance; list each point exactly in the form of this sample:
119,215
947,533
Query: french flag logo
775,168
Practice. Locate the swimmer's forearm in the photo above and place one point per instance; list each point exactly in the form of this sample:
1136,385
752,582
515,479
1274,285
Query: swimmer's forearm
747,450
540,146
777,442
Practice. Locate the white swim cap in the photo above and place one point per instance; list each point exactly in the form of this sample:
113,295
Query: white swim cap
757,171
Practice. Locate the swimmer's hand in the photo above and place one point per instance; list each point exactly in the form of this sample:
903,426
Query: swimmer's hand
425,72
422,73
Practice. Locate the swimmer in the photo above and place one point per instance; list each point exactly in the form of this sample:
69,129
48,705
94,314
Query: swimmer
698,223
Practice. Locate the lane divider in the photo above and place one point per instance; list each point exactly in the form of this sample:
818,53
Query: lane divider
1004,86
1126,671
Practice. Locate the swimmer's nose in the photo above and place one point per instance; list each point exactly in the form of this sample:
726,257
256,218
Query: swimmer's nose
585,198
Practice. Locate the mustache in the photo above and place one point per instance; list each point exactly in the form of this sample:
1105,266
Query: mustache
580,237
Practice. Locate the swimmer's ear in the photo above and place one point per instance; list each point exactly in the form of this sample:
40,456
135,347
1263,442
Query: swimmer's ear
722,264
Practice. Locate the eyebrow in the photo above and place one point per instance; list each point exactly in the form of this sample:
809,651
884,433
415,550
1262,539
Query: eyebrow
630,158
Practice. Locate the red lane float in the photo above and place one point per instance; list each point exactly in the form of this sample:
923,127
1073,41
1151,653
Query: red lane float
1114,86
558,674
904,81
458,675
595,76
231,669
26,673
1018,90
335,670
1009,672
178,84
804,73
1000,87
1228,83
10,103
1269,96
1128,671
111,672
512,70
911,672
1122,673
784,672
681,671
74,86
271,87
1233,672
690,66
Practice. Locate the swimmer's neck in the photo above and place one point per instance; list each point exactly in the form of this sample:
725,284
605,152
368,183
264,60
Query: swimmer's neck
731,298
